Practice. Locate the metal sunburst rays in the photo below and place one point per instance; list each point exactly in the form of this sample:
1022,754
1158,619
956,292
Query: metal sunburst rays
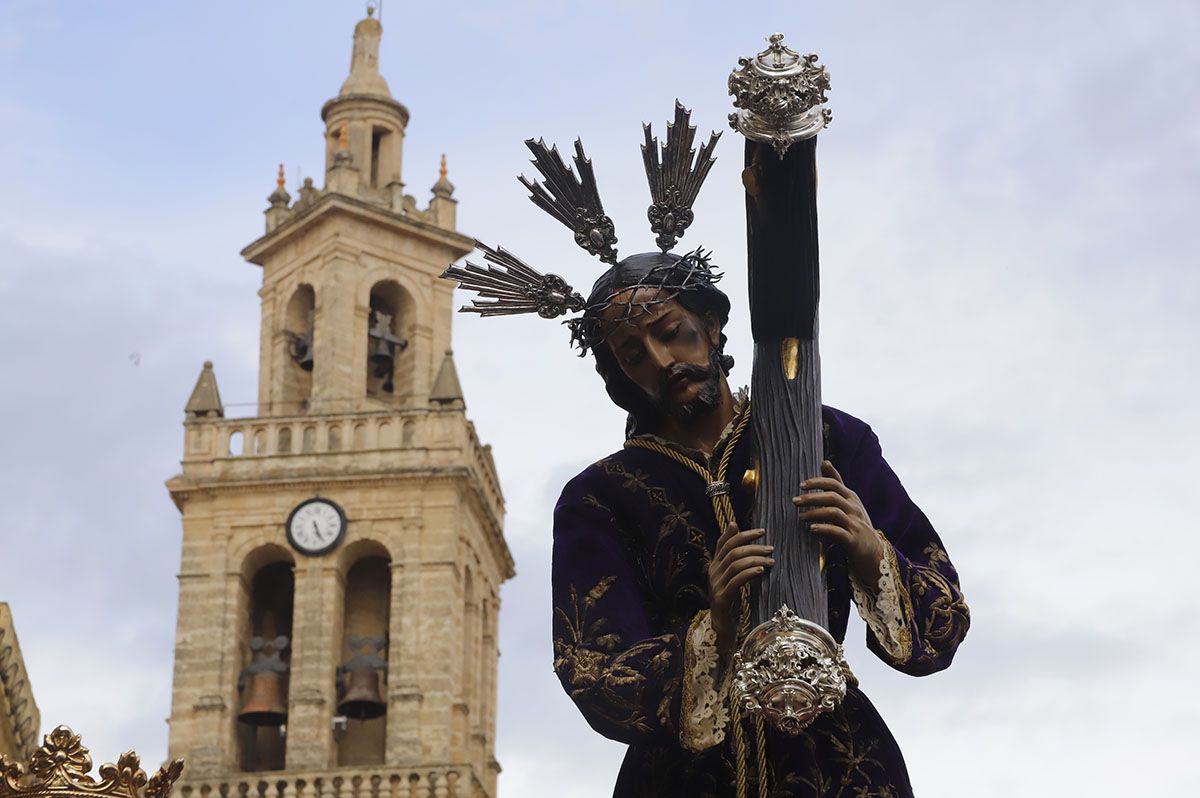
675,180
573,201
514,287
675,171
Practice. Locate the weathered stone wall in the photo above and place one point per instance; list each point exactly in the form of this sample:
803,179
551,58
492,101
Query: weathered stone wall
20,720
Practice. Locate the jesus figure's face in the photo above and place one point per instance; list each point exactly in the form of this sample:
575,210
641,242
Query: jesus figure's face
666,350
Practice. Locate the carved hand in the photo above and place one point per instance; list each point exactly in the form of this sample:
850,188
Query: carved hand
737,560
837,515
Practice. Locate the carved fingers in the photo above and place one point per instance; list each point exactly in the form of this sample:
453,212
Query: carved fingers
737,560
835,512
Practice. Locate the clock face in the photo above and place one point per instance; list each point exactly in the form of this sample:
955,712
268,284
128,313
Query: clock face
316,526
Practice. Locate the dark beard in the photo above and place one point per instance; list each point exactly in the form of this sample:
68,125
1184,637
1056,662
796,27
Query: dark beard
706,400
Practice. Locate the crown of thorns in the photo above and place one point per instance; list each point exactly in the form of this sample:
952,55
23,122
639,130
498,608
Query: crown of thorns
675,171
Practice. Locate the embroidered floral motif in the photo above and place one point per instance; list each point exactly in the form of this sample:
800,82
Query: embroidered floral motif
838,739
705,711
884,609
591,660
678,516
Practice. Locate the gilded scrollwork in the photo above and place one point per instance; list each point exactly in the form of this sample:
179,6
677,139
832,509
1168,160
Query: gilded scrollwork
62,765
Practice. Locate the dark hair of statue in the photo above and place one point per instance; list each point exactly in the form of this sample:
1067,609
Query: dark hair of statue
676,278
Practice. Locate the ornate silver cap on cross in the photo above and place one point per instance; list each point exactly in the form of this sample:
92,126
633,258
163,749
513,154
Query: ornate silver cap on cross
780,96
790,671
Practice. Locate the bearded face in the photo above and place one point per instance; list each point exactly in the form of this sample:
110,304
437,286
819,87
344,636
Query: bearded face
666,351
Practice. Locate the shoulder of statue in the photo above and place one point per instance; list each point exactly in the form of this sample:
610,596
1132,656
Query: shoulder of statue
844,434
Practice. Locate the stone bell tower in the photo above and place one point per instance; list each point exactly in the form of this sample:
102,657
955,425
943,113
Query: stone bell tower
343,548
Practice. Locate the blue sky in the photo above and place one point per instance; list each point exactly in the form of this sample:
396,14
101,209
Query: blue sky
1010,297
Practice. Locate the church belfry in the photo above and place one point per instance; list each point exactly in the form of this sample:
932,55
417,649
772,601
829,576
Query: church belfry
343,548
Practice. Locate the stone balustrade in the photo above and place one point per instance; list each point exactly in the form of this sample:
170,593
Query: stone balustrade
431,781
388,441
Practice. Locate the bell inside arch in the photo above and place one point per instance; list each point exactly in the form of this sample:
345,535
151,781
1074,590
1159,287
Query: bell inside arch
383,345
381,358
264,704
362,700
263,684
301,345
305,360
359,679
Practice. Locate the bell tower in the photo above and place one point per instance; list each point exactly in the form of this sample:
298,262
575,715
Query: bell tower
343,547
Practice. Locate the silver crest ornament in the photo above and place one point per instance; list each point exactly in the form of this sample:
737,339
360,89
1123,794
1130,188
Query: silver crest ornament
780,96
790,671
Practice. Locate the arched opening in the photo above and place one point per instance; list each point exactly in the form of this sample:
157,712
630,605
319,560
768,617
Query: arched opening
308,442
362,675
389,327
297,340
470,646
387,435
266,656
335,438
284,444
237,446
488,656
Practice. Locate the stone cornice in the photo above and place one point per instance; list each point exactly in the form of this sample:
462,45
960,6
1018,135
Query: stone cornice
257,251
365,101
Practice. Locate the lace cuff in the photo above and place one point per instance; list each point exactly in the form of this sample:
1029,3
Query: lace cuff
888,608
704,714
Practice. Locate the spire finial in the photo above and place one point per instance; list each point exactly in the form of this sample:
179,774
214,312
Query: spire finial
443,187
364,76
280,182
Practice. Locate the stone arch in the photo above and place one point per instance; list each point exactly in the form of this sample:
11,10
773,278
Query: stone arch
366,580
265,614
470,633
296,350
391,321
387,435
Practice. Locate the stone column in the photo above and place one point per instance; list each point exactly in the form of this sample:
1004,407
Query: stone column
312,690
404,691
339,377
202,700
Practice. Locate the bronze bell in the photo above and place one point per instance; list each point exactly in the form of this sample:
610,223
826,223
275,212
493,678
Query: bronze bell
264,700
361,699
305,361
381,358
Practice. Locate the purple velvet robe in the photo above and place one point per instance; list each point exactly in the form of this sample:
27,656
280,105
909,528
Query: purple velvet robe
633,535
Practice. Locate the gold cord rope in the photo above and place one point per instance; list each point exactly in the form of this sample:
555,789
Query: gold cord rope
723,508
